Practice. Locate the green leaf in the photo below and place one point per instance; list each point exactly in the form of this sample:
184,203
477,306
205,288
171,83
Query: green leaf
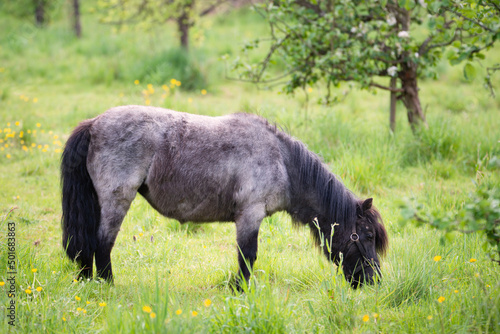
469,71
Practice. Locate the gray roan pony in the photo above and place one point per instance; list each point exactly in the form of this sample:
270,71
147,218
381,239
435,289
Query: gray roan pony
204,169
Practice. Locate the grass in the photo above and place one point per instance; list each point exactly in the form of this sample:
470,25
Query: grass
49,81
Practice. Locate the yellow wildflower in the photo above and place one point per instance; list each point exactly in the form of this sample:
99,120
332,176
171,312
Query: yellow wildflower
78,309
88,302
366,317
437,258
102,304
77,298
38,125
309,90
63,319
2,283
17,123
8,156
194,313
178,312
207,302
35,100
472,260
147,309
28,291
429,317
441,299
39,289
136,82
203,92
33,270
152,315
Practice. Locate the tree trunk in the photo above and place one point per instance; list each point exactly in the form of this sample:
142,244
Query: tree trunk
410,97
394,98
184,23
76,18
40,12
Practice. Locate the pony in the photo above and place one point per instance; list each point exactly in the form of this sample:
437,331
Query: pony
233,168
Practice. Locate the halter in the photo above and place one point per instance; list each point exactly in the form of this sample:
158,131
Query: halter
355,241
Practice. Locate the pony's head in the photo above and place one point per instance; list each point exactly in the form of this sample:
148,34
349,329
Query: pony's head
367,239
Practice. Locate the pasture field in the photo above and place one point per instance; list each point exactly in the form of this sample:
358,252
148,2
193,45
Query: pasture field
175,278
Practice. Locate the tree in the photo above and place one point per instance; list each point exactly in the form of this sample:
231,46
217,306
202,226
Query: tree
361,41
153,12
76,18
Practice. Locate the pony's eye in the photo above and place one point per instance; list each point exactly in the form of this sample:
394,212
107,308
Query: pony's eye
369,236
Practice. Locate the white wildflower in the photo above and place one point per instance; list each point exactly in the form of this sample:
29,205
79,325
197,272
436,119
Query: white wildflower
403,34
392,71
422,3
354,29
417,55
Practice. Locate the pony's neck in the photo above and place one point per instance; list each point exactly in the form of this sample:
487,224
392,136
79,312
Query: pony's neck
315,192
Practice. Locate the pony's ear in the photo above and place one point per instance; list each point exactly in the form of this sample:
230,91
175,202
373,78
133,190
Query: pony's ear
367,205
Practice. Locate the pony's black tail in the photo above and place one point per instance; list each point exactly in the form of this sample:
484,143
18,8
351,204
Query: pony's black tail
80,206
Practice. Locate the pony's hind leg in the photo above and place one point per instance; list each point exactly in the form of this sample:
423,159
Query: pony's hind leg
86,265
115,205
247,232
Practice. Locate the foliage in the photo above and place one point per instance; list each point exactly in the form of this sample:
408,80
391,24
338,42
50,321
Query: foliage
358,41
152,13
481,214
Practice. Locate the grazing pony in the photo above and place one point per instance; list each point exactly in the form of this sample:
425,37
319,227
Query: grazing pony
235,168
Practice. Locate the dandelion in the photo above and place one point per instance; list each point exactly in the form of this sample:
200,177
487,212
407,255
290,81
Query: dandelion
375,315
136,82
172,81
178,312
17,123
77,298
63,319
38,125
8,124
207,302
78,309
366,317
437,258
203,92
152,315
441,299
88,302
84,310
33,270
6,145
28,291
190,100
8,156
147,309
472,260
25,148
310,89
177,83
75,280
148,102
455,291
476,274
165,88
2,283
39,289
429,317
35,100
102,304
194,313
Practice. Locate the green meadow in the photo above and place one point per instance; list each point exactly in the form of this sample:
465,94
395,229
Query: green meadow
176,278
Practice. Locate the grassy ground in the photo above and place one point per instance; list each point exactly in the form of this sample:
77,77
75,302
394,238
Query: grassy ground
172,277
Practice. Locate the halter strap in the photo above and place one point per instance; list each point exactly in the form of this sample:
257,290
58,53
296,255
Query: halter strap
355,240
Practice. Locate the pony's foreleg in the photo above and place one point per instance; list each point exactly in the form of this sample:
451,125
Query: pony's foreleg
247,232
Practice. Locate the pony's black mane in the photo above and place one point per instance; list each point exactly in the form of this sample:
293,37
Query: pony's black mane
337,203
